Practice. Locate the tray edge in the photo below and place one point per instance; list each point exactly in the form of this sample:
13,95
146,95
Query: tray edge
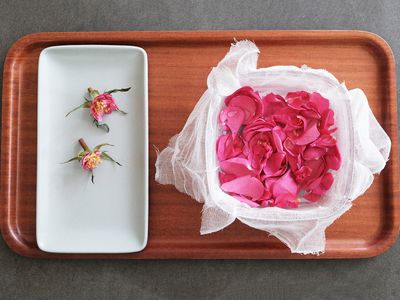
376,41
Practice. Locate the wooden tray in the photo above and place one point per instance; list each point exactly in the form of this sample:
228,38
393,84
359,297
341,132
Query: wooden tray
179,63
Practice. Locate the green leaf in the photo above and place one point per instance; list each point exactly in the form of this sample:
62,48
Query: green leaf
108,157
103,126
102,145
72,159
118,90
121,111
83,105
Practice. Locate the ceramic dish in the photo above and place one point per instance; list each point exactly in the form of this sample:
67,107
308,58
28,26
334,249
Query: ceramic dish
74,215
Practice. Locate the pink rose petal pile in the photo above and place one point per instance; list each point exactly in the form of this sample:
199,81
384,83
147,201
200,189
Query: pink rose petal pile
273,148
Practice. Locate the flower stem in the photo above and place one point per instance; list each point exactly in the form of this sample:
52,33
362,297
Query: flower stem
83,144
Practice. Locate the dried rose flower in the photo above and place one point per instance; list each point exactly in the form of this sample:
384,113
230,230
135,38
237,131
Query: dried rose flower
100,105
89,159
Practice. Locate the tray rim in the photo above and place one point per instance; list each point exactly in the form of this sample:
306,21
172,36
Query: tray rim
18,246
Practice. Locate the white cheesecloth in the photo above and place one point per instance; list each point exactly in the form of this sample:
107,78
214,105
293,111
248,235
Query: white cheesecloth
190,163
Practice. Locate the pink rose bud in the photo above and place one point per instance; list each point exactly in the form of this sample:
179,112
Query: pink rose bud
103,104
91,160
100,105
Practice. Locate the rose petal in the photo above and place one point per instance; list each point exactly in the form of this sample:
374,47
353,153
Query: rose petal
225,177
333,158
319,188
285,185
267,194
237,166
266,203
313,153
294,161
309,136
248,100
271,104
302,174
247,186
327,119
247,104
318,167
258,126
312,197
310,114
325,140
278,136
286,200
321,103
292,148
233,117
297,100
327,181
285,115
293,203
228,147
221,142
273,166
314,184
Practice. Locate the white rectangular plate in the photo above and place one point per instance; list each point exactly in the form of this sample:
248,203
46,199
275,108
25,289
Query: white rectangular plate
73,215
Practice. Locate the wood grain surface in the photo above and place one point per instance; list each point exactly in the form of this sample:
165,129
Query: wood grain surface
179,63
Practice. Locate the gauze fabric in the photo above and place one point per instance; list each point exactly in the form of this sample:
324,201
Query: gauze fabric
189,161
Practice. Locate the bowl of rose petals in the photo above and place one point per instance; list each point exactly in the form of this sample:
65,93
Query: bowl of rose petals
273,148
282,149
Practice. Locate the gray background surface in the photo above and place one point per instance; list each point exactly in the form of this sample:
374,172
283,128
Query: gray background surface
20,277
